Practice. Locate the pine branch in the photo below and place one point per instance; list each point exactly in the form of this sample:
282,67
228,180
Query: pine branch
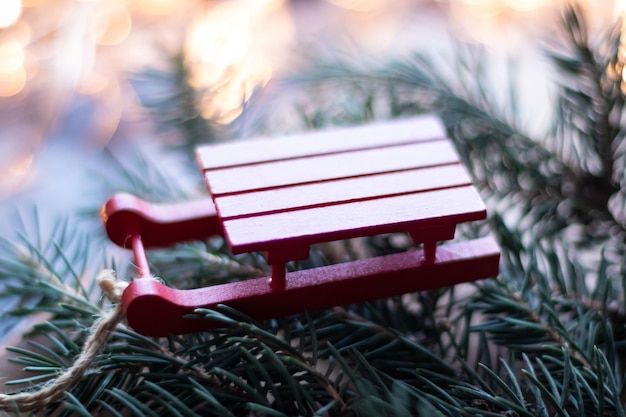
175,106
590,106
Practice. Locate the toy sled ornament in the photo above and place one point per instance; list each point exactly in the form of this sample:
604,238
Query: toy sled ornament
280,196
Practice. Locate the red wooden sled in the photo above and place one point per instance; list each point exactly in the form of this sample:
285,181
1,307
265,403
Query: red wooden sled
282,195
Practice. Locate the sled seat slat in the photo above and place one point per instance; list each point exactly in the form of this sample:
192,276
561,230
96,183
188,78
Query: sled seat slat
404,213
341,191
344,139
279,196
276,174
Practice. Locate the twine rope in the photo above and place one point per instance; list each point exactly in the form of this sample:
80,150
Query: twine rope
97,339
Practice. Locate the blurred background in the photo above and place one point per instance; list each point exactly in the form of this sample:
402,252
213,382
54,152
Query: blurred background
77,76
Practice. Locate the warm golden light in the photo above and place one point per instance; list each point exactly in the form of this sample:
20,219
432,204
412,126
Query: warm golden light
501,22
10,11
491,7
116,24
224,105
481,8
16,172
12,72
13,82
156,7
32,3
620,66
21,33
11,57
225,56
360,5
525,5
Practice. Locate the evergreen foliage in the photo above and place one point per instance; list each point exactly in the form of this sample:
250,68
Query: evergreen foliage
546,338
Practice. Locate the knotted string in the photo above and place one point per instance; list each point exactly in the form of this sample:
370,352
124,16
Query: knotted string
97,339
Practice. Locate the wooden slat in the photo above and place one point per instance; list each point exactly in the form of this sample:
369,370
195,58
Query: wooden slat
322,224
326,167
253,151
341,191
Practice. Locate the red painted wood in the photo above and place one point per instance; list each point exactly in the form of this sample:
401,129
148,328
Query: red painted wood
329,167
341,191
280,196
278,280
141,259
421,211
159,225
430,237
388,133
156,310
287,253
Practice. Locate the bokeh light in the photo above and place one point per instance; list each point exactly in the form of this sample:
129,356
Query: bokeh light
155,7
361,5
10,11
525,5
226,58
502,23
114,24
12,72
57,52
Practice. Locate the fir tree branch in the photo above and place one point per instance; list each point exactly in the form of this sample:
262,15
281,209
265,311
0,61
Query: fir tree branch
591,102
